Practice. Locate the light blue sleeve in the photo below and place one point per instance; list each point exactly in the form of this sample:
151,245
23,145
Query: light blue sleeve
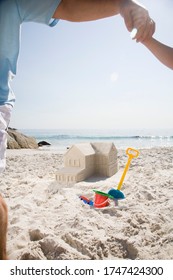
40,11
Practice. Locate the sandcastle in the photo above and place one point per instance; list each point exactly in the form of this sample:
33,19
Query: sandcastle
84,160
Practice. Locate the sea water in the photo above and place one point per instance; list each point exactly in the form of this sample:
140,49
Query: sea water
136,138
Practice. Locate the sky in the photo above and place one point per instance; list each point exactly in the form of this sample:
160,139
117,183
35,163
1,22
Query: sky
92,75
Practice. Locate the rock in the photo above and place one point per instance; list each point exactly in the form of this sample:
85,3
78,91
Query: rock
43,143
17,140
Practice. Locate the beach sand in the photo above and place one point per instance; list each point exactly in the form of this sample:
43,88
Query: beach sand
49,221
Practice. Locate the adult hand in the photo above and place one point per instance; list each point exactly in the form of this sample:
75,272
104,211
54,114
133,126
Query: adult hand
136,16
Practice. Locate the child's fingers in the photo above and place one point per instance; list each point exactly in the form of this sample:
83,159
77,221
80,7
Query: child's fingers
145,29
147,32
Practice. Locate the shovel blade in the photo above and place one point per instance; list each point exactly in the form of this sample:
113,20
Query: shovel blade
116,194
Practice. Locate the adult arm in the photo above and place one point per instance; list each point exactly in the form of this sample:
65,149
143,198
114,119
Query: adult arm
134,14
162,52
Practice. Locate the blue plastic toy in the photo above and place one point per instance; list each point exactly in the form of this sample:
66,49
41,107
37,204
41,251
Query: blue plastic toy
86,200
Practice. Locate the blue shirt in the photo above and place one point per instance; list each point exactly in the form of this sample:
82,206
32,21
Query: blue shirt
12,14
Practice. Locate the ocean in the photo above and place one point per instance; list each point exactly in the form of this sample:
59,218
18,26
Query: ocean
60,139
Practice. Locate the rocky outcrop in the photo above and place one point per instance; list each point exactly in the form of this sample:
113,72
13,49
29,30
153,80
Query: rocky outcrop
17,140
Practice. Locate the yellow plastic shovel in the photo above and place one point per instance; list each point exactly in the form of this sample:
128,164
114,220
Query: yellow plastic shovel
116,193
132,153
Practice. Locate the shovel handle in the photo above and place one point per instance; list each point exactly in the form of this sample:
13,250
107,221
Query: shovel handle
132,153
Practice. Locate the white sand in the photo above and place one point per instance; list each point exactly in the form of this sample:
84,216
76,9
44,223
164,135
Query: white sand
49,221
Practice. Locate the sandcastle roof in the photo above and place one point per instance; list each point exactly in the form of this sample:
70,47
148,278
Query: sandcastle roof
85,148
103,148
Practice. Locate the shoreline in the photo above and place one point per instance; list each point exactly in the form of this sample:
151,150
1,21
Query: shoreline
49,221
63,149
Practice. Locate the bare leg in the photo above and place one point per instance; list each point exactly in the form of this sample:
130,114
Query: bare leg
3,229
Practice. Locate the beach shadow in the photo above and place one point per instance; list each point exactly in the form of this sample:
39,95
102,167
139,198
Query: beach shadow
94,179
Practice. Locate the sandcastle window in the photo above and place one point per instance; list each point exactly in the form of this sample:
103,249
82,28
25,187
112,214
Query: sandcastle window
76,162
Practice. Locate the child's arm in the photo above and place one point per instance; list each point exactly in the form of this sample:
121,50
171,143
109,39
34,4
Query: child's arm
160,51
